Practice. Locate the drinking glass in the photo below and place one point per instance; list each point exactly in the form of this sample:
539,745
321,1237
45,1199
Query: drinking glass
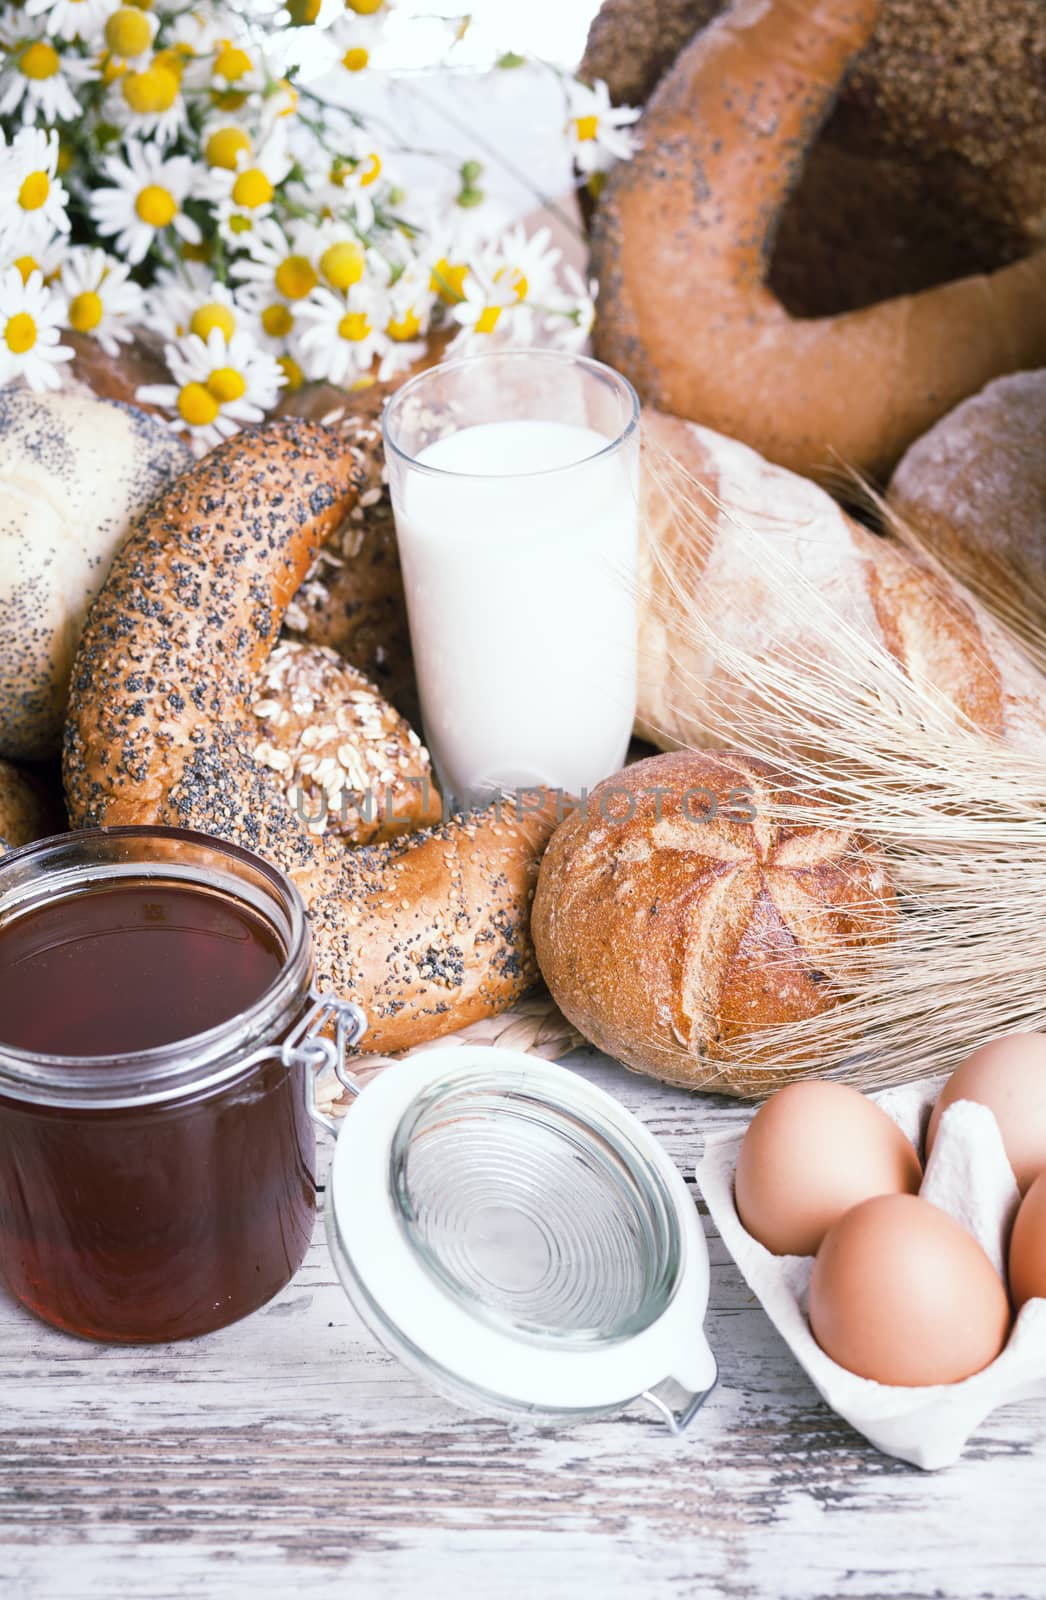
514,480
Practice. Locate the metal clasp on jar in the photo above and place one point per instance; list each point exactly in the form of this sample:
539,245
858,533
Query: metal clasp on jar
311,1046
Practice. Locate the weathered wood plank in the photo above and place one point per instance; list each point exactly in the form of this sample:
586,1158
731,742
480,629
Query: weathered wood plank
289,1453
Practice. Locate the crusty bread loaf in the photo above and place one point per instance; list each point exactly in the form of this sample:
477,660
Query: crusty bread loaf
675,918
682,242
74,471
974,488
931,165
874,585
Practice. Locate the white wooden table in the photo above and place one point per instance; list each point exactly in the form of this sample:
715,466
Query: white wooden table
289,1456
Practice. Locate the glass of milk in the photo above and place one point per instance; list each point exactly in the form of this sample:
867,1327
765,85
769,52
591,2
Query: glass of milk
514,481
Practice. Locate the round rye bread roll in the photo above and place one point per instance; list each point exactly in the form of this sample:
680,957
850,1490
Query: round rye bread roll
679,921
974,487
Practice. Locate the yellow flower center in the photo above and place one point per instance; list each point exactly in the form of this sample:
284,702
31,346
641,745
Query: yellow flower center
517,280
212,315
354,326
364,8
86,311
196,252
404,328
587,127
447,280
356,59
277,320
20,333
370,169
302,12
34,191
197,405
295,277
127,33
154,90
252,189
27,265
229,99
39,60
232,63
156,206
487,320
292,372
225,383
342,264
173,60
238,224
225,146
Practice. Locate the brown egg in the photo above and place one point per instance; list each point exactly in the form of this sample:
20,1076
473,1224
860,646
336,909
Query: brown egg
810,1153
1028,1247
1009,1077
902,1293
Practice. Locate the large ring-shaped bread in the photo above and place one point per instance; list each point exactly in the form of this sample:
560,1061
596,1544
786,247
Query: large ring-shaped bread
426,933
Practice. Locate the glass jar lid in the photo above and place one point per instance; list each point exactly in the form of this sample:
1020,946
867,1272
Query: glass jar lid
520,1239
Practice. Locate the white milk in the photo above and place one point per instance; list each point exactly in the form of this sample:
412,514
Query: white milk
521,591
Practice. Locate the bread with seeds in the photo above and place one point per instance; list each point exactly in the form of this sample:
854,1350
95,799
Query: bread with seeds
347,761
428,931
352,597
74,471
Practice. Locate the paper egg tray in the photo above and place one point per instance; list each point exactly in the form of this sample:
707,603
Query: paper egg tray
968,1176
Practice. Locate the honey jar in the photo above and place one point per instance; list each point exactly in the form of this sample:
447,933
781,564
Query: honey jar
157,1158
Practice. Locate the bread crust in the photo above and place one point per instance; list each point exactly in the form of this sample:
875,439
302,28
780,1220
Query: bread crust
678,919
682,242
974,487
875,586
427,932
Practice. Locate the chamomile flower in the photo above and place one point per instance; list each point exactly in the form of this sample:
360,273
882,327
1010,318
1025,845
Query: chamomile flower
129,33
598,132
242,196
190,299
235,74
350,188
410,302
219,384
70,19
32,197
148,198
569,311
490,313
37,78
338,336
146,101
354,37
101,298
525,265
29,252
278,272
30,314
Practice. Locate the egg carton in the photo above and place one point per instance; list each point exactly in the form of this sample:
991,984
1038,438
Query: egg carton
969,1176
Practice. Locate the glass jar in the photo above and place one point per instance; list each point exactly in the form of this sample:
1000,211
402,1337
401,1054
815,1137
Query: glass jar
163,1193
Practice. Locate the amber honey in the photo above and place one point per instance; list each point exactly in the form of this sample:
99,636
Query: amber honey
156,1164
